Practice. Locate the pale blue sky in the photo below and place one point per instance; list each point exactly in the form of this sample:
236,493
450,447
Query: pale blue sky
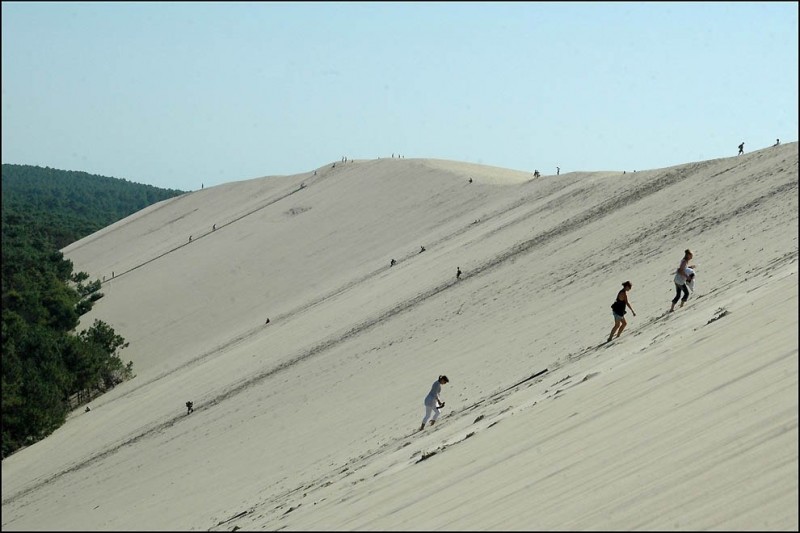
179,94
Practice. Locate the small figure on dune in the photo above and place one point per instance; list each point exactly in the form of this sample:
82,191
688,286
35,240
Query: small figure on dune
741,149
470,180
267,322
189,407
682,275
190,238
432,401
392,263
458,272
777,142
87,409
421,249
558,171
618,310
536,174
214,227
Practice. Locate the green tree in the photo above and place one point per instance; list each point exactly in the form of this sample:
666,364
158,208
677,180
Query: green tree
45,363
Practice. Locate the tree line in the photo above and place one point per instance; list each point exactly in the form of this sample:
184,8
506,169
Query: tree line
48,367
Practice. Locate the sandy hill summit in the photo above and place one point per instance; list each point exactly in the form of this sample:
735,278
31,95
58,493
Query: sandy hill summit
310,421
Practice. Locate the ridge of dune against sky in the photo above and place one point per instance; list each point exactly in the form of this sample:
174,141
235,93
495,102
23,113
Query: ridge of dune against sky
175,94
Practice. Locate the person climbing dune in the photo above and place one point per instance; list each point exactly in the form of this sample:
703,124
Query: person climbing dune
681,277
432,401
618,310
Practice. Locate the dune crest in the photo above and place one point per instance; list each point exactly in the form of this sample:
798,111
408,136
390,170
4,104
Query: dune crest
310,421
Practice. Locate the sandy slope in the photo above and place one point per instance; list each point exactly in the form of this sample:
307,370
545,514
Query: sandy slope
688,421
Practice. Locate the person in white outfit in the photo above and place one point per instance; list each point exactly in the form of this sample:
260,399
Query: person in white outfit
432,401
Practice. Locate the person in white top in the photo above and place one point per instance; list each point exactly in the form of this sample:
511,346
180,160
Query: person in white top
432,401
682,275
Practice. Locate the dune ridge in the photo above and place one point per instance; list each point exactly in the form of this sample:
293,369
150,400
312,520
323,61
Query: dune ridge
687,421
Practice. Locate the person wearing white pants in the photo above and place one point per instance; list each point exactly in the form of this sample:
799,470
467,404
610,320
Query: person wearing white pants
433,402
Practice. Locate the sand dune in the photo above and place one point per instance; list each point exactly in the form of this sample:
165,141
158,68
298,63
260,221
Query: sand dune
687,421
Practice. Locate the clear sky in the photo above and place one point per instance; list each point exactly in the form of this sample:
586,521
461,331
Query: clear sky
184,93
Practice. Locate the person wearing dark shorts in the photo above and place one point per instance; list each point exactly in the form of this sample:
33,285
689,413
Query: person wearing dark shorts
618,310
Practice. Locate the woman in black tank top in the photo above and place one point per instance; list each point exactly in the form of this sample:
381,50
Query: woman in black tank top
618,309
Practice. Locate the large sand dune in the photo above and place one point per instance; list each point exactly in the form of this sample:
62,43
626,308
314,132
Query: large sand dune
687,421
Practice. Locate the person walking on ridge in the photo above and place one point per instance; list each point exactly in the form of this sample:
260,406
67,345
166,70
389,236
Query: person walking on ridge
432,401
741,148
618,310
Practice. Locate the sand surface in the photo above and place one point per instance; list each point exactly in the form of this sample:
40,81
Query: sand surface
688,421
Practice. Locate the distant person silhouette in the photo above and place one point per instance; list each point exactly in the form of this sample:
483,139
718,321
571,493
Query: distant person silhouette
741,149
267,322
87,409
392,263
214,227
458,273
189,407
421,249
777,142
558,171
